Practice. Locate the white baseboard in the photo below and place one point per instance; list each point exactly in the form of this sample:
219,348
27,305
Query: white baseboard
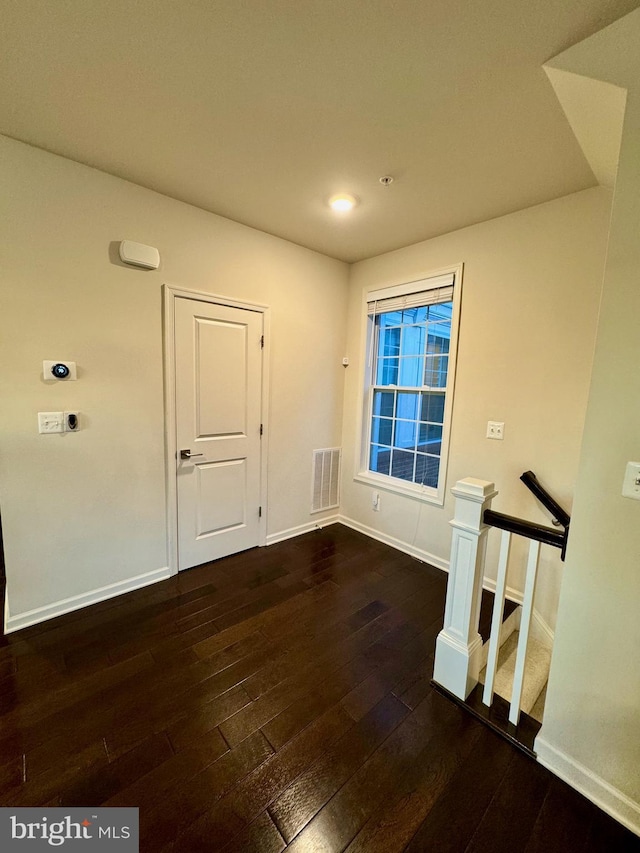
612,801
541,630
68,605
291,532
511,593
398,544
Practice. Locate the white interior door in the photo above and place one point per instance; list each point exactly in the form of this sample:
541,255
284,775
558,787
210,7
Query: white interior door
218,359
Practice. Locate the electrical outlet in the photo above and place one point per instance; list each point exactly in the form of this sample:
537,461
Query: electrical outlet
495,429
71,422
631,482
375,501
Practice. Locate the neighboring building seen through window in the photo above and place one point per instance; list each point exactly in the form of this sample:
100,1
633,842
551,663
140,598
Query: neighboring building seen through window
409,384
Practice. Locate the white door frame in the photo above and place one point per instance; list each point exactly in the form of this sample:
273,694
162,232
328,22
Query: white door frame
170,294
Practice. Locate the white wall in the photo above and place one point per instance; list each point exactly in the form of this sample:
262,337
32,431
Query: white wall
84,511
591,730
531,291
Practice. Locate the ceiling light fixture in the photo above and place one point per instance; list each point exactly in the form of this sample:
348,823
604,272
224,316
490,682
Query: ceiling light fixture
343,202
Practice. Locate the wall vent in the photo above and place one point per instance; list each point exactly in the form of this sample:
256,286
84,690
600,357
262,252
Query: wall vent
326,479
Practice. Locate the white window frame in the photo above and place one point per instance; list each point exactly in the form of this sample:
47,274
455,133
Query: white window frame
362,473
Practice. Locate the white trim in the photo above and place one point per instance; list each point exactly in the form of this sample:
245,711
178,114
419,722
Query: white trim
413,284
170,439
205,296
424,556
363,420
512,593
6,608
411,490
170,293
76,602
610,799
541,631
292,532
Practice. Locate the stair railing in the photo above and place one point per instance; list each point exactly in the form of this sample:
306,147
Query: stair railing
459,645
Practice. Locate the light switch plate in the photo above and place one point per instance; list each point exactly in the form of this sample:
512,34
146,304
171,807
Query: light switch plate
631,482
50,422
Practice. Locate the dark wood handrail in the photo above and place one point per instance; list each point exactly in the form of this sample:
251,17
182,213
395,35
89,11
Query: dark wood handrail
532,483
529,529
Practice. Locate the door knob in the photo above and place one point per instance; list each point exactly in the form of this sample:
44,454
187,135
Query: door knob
187,454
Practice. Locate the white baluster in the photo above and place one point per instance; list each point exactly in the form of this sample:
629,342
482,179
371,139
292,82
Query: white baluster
459,645
525,624
496,619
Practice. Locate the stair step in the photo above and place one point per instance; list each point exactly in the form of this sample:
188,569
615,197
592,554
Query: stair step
486,612
536,672
538,709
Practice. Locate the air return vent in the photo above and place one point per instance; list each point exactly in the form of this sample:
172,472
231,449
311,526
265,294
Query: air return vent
326,476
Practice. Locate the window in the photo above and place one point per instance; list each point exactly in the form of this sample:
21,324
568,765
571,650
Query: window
412,331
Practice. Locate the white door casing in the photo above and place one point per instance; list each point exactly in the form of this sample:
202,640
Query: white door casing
216,357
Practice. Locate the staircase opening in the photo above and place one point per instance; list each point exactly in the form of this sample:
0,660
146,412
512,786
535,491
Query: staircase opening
500,675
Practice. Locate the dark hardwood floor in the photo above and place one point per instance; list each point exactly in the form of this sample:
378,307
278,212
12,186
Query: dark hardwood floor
277,698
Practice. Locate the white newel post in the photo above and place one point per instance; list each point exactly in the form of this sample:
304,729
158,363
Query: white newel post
459,645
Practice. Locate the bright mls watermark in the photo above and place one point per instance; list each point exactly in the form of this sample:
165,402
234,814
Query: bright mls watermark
69,829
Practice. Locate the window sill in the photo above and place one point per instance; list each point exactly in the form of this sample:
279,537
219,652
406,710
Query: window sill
411,490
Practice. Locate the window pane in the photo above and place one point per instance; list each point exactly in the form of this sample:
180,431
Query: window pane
438,338
413,340
380,459
424,406
435,373
405,434
387,371
441,311
415,315
407,405
381,430
402,464
383,402
391,318
390,341
427,470
432,408
411,372
430,438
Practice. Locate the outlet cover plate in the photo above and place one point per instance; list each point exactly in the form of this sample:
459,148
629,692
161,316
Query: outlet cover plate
495,429
631,482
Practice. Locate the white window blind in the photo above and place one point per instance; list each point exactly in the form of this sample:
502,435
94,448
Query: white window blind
440,290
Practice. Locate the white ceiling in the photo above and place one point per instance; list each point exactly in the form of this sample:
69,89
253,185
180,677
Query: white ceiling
259,110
